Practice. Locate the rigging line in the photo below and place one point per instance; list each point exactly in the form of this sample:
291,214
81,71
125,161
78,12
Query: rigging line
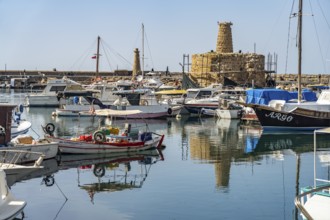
325,21
325,18
84,54
152,62
108,53
288,41
115,52
318,38
107,57
275,24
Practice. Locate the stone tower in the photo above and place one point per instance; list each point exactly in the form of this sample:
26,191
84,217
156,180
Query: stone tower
224,64
136,63
224,41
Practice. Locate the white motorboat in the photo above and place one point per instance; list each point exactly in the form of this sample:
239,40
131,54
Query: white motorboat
314,201
142,100
48,97
74,104
209,99
10,207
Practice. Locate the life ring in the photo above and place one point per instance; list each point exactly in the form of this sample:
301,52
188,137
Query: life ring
50,128
99,136
99,170
169,111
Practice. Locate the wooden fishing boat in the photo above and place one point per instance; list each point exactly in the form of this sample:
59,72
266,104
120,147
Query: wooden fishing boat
106,140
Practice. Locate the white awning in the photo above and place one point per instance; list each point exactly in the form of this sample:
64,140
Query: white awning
111,112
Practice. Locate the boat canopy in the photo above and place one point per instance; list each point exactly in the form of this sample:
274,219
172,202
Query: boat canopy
264,96
171,92
111,112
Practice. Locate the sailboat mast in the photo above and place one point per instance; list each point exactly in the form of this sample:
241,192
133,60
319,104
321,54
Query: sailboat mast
142,50
97,56
299,48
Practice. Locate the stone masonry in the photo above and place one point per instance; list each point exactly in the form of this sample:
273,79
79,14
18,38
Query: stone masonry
242,68
136,63
224,41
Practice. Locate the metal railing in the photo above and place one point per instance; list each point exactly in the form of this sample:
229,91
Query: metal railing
9,158
300,198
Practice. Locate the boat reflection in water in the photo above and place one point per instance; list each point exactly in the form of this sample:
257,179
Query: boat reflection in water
116,172
50,167
224,143
297,142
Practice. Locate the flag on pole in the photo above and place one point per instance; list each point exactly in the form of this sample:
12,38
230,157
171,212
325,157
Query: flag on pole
94,57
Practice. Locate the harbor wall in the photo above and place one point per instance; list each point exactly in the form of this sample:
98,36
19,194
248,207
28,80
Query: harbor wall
35,77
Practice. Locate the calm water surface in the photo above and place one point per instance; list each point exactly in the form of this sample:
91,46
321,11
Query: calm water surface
211,169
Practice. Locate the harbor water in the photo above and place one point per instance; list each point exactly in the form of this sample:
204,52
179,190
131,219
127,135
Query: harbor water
208,169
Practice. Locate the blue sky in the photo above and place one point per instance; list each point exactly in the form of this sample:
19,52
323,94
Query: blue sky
61,34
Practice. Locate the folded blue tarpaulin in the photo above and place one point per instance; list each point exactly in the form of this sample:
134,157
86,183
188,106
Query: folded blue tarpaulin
264,96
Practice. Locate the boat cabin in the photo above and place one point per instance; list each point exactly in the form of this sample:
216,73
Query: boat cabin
5,122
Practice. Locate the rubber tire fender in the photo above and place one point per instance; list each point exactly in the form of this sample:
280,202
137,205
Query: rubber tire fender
50,128
99,136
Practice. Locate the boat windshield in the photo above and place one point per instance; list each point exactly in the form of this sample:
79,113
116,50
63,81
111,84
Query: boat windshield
204,94
57,88
192,94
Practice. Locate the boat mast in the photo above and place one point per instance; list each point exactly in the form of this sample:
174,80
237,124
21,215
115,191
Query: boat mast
142,50
299,48
97,56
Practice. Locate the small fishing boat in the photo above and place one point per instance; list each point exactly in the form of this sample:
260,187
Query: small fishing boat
28,143
10,159
10,207
24,142
106,140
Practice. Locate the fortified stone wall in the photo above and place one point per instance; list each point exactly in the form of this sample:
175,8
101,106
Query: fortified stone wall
241,68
